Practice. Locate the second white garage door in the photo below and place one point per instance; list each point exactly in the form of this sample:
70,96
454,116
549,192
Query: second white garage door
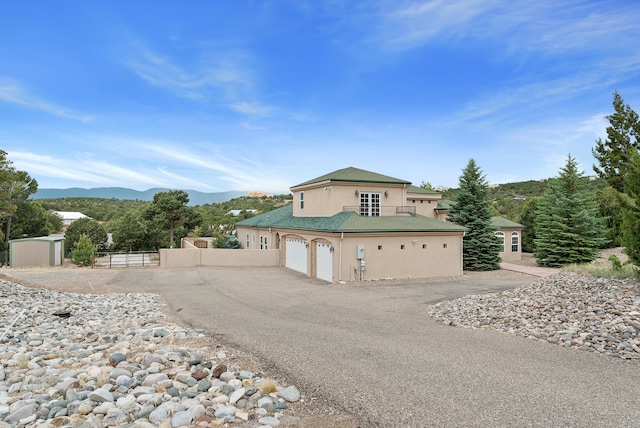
296,254
324,261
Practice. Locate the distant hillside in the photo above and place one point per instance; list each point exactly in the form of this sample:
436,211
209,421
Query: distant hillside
195,197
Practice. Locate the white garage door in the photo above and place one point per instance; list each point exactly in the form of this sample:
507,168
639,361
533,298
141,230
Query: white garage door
324,262
296,255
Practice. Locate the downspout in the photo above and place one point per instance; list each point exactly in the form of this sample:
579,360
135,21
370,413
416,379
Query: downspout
462,253
340,255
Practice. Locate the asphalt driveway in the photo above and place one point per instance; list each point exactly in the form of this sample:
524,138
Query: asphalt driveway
372,351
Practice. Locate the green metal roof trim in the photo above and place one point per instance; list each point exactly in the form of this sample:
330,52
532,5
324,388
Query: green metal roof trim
348,222
416,189
354,175
503,223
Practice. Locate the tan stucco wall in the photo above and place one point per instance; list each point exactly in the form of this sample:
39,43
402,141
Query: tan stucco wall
390,262
319,202
425,207
413,261
181,257
507,255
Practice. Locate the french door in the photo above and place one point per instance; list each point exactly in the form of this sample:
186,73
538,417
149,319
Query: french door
370,204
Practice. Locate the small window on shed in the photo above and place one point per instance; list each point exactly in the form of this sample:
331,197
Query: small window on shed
424,246
379,247
402,247
444,245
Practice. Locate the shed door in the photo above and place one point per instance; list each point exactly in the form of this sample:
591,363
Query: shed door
58,253
296,254
324,261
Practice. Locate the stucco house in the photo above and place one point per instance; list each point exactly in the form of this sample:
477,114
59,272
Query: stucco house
508,232
353,224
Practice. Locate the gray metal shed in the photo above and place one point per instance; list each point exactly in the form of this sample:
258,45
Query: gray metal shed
36,252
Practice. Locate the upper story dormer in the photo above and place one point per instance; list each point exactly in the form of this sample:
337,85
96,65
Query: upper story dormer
352,189
425,201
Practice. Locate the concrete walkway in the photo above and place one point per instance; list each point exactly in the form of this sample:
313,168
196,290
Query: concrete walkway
529,270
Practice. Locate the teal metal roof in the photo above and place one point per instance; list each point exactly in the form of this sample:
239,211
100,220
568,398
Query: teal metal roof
420,190
352,174
444,204
503,223
348,222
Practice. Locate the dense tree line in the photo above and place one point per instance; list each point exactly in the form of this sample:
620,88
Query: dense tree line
161,223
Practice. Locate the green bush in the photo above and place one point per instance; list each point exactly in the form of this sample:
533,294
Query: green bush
83,251
233,243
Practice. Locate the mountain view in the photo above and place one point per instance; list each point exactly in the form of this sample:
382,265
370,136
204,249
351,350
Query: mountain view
195,197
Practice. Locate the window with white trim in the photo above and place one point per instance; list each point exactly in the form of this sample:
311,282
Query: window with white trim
515,242
248,241
263,242
370,204
500,236
301,200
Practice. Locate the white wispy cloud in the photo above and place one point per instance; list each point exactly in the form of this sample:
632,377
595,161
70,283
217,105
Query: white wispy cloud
12,91
86,169
252,109
225,73
531,94
555,27
243,174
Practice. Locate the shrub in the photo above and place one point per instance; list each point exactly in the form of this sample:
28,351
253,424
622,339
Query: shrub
233,243
83,251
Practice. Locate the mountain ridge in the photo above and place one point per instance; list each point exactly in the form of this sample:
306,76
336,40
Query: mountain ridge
195,197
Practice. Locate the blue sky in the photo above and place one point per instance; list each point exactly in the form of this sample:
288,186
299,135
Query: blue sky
261,95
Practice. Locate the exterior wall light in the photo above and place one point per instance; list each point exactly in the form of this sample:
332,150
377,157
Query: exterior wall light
357,193
386,194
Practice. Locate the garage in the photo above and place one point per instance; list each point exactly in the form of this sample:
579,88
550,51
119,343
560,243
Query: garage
296,254
324,261
36,252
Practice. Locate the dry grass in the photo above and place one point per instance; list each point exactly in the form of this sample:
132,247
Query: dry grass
609,268
267,386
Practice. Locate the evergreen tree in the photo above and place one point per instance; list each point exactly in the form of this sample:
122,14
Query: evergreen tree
83,251
631,210
568,230
481,247
169,209
85,226
623,136
527,218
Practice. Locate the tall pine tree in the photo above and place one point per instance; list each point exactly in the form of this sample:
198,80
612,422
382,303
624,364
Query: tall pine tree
623,137
481,247
568,230
631,210
620,167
